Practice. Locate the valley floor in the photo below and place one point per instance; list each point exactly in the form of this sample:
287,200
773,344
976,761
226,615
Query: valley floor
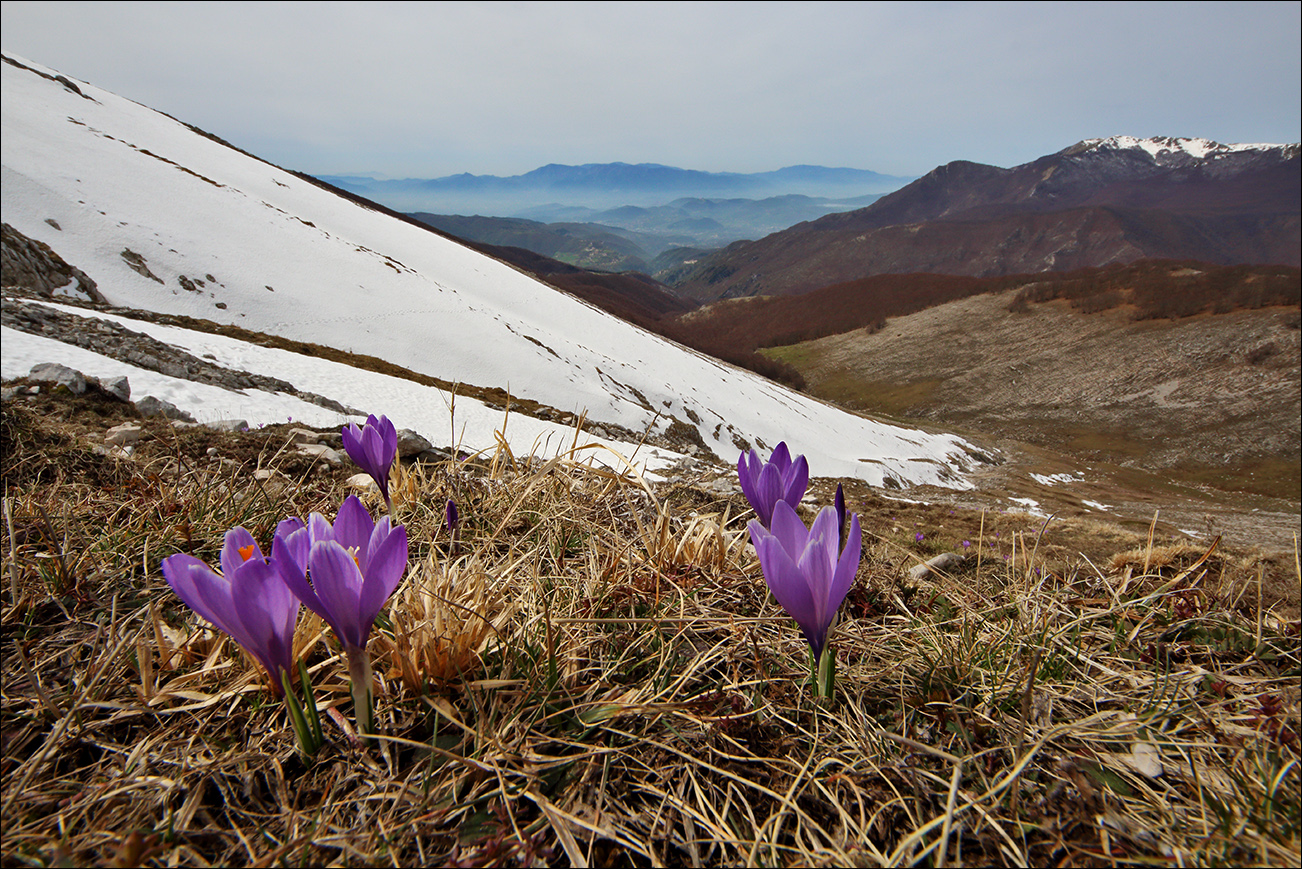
1197,418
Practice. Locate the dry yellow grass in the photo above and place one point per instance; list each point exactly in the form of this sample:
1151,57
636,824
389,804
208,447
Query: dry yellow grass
597,675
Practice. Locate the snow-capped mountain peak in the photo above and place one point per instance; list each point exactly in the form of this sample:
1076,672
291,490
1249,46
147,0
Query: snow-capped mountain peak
1169,150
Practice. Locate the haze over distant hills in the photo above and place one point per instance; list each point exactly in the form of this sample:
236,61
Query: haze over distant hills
1097,202
601,186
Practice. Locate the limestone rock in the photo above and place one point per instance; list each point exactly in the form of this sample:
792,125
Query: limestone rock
411,444
151,407
51,372
118,387
124,434
943,562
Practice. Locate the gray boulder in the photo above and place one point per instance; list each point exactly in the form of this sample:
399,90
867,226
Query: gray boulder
150,407
61,375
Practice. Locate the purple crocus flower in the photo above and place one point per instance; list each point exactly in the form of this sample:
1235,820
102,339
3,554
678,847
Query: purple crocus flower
767,483
806,569
247,600
354,565
373,447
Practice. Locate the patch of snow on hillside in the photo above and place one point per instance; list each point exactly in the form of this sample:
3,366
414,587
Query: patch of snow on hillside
165,219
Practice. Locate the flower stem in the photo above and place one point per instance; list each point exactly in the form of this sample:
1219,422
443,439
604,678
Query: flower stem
822,672
359,673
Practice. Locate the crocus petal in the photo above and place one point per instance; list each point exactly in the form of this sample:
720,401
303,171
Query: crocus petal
818,564
290,555
387,564
789,530
796,481
353,526
781,457
846,566
747,472
768,489
202,590
784,578
267,610
337,581
238,542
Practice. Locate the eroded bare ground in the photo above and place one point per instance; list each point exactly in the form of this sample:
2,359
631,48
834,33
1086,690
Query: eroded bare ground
1195,419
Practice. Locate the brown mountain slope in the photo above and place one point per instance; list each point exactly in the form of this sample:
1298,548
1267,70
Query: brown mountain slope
1088,205
1155,288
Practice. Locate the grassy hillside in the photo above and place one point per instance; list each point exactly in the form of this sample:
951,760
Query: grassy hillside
596,674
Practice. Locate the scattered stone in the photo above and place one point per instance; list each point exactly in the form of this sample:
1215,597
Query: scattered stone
51,372
303,436
124,434
211,452
272,482
118,387
944,561
187,284
411,444
362,482
52,222
137,264
152,407
229,425
321,451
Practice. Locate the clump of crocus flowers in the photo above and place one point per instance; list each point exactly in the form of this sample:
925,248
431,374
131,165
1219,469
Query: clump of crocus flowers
809,570
343,571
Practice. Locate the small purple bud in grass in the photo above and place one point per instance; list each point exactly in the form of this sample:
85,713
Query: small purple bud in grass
767,483
839,503
919,537
805,569
248,600
966,545
452,519
373,447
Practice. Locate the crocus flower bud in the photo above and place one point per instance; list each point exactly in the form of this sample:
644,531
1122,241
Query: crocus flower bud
373,447
767,483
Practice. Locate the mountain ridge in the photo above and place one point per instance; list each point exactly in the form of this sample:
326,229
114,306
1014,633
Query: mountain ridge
1240,204
608,185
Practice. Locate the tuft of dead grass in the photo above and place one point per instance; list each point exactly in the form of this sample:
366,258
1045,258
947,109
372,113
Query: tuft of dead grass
596,674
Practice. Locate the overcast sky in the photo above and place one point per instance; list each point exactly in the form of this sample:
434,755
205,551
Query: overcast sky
433,89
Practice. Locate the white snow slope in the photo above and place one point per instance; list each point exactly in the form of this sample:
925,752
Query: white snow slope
286,257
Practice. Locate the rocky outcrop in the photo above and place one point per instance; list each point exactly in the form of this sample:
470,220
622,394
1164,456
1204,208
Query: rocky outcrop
118,342
33,264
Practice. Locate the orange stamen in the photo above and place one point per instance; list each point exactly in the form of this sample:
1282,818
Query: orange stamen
246,552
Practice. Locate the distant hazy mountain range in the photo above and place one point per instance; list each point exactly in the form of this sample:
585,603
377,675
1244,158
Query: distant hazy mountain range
632,237
1097,202
601,186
